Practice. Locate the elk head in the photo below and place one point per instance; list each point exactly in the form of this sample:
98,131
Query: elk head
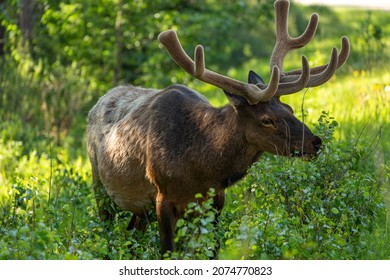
270,124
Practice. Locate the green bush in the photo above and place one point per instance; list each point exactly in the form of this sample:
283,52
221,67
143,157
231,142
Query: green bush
47,211
331,207
321,209
196,236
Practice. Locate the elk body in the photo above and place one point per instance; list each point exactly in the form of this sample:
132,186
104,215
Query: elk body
159,148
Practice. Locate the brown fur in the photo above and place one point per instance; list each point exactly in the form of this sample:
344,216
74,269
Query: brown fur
160,147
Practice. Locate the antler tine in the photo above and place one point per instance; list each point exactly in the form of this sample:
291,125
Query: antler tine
323,77
284,42
199,61
320,78
292,81
299,83
252,93
344,52
342,57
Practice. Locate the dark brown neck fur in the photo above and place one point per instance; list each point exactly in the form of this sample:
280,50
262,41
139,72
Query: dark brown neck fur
229,154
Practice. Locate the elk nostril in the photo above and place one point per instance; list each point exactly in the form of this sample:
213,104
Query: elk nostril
317,142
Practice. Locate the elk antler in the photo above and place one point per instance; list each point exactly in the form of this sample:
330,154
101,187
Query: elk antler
284,43
280,83
252,93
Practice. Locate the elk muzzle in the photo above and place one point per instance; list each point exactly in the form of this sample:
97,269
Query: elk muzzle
317,143
308,150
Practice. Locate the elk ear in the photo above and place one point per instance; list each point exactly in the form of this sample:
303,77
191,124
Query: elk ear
253,78
235,100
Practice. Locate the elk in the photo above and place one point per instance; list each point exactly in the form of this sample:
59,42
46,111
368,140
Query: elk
158,148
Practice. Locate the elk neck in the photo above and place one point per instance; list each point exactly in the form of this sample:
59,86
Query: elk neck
228,152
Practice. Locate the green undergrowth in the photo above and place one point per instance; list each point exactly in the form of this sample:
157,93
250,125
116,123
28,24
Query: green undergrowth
332,207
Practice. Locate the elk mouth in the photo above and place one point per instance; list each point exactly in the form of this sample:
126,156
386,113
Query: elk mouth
304,155
310,152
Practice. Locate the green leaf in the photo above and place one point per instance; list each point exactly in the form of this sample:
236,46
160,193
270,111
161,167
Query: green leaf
335,211
180,223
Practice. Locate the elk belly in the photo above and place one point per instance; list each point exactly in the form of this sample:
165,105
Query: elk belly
122,171
130,191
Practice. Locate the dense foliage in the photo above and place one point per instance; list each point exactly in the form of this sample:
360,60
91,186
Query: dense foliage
58,57
322,209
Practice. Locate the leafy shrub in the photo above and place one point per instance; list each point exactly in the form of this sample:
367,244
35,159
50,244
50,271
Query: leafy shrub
196,231
285,208
321,209
47,211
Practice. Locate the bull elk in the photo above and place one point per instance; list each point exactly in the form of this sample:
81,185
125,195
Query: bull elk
151,147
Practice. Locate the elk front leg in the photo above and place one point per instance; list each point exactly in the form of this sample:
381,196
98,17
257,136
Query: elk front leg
219,201
166,219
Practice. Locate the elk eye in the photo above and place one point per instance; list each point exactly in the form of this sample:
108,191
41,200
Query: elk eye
267,122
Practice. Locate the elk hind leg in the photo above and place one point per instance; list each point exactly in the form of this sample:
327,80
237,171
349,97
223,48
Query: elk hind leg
105,207
139,222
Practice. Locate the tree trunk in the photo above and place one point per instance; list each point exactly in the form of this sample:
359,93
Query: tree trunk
27,19
2,30
118,44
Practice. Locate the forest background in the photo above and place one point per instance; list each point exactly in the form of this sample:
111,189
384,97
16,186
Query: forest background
58,57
